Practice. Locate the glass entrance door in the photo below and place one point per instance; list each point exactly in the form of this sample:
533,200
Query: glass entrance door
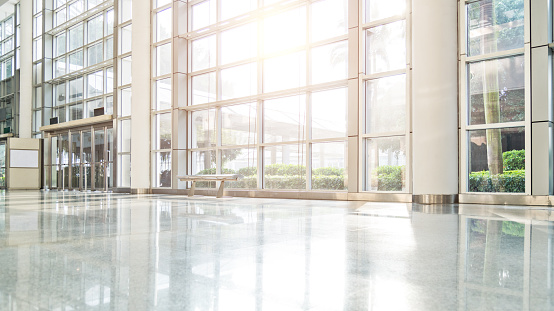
82,159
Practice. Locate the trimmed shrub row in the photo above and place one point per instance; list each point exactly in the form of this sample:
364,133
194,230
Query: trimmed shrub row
388,178
510,181
282,176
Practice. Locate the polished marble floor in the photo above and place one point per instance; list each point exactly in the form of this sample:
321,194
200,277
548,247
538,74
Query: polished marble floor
98,251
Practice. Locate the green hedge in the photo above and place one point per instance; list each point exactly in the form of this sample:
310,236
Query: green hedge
514,160
282,176
509,181
388,178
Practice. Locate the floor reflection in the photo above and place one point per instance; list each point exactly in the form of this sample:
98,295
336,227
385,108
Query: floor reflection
94,251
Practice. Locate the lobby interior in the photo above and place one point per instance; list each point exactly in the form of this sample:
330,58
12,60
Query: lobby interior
393,154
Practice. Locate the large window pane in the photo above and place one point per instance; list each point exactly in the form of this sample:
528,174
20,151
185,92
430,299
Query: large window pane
203,88
125,136
379,9
59,67
95,28
386,47
163,59
232,8
386,164
497,160
94,54
125,10
203,14
497,90
238,125
109,48
59,94
238,43
95,84
76,8
125,102
203,129
386,104
203,162
124,165
495,26
329,19
329,111
75,112
285,30
163,25
285,72
284,167
76,37
75,90
61,17
126,39
328,166
60,45
93,104
203,53
240,161
239,81
284,119
329,62
109,22
162,138
163,94
163,169
125,75
76,61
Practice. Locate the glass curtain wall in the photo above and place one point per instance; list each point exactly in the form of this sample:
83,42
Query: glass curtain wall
495,97
268,92
386,78
38,62
9,42
162,36
78,44
124,80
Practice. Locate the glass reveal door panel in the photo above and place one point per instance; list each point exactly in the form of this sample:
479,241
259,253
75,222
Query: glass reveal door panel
64,161
2,164
86,160
75,160
99,162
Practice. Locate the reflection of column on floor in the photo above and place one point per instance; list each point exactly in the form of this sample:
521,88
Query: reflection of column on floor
307,257
490,266
180,268
260,233
542,265
141,282
357,270
217,268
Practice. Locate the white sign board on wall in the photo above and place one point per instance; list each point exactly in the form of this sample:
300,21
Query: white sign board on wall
24,158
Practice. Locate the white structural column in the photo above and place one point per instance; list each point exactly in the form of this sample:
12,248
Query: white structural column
541,99
26,69
435,100
140,105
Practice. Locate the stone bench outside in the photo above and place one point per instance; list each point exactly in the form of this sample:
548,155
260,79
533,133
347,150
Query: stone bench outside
221,177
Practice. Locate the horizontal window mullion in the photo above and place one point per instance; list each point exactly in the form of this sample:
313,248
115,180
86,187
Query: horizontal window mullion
500,54
384,21
379,135
494,126
384,74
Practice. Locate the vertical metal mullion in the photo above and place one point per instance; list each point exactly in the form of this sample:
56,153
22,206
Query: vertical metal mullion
70,160
92,158
106,160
